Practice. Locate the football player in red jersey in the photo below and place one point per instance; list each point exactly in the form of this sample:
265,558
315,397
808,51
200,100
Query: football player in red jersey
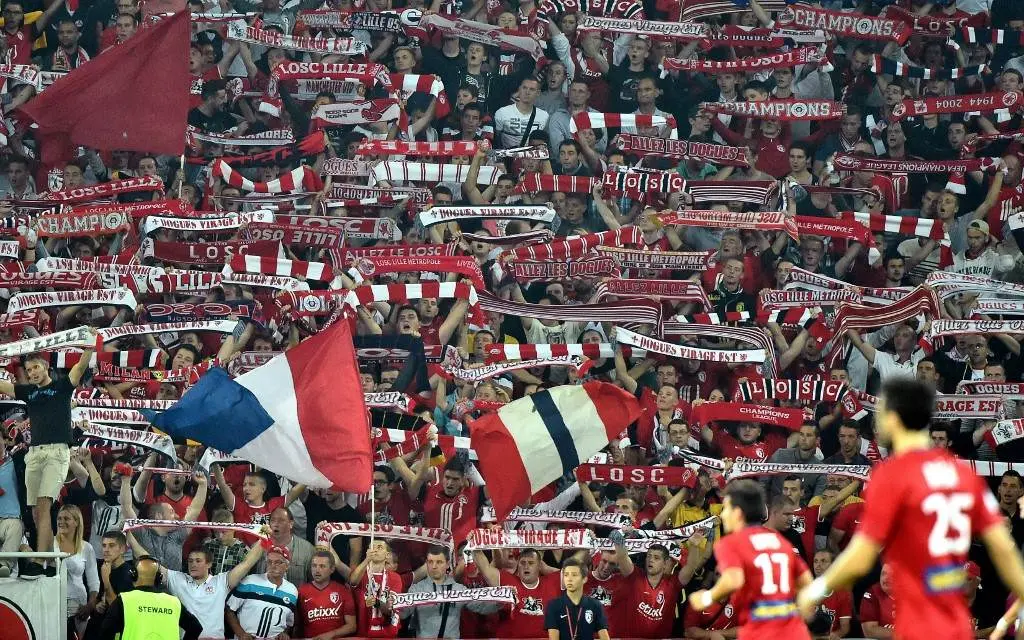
922,506
759,568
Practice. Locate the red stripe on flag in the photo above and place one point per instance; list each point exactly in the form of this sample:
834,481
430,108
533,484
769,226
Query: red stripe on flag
508,484
331,411
617,407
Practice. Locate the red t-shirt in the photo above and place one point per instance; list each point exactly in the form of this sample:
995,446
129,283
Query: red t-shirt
752,278
847,521
195,97
877,606
323,610
613,594
760,450
20,44
771,566
838,605
371,623
805,519
457,514
247,514
527,617
718,617
473,624
652,609
924,507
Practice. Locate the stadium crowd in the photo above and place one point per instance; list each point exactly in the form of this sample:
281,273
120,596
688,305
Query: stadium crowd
556,192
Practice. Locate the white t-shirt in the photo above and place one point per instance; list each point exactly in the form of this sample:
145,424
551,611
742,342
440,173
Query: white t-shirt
205,601
562,333
887,367
264,610
984,265
510,125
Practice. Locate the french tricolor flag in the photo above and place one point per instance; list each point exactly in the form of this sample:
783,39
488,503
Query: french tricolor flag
301,415
530,443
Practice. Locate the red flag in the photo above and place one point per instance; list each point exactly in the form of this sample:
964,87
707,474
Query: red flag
134,97
533,441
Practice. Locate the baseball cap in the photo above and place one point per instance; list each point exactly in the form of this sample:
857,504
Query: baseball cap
283,551
979,225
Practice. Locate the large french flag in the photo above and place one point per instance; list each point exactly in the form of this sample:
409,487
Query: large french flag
301,415
529,443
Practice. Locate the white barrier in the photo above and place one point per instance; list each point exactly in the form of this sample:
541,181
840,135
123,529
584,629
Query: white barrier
34,609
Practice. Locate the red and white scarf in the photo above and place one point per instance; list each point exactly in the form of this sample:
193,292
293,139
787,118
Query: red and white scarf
685,31
646,259
948,284
846,24
579,246
633,475
206,253
501,352
138,358
1005,431
78,337
971,103
580,518
348,255
418,195
1008,390
681,290
272,138
642,184
487,539
80,297
804,55
462,265
316,235
790,110
69,225
761,220
537,182
211,225
943,328
442,148
255,34
484,33
105,190
683,149
501,595
571,269
772,299
298,179
709,412
848,162
647,343
749,468
135,437
341,114
425,172
589,120
257,264
806,389
217,326
530,213
633,310
49,280
759,192
326,531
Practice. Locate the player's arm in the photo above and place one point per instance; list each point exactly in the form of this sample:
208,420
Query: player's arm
856,561
731,581
1002,549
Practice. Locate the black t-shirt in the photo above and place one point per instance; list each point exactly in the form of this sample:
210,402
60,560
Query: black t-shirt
575,621
49,410
317,511
121,579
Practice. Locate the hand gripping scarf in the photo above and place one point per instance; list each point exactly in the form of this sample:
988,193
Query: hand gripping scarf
789,110
847,24
588,120
683,150
299,179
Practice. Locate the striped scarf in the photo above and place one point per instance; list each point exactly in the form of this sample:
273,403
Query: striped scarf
681,290
812,390
859,317
311,145
751,335
695,9
973,103
642,184
803,55
445,148
635,310
578,246
846,24
463,265
536,182
394,172
136,358
979,35
500,352
798,317
529,237
530,213
589,120
105,190
362,296
319,271
367,74
899,69
655,345
298,179
948,284
758,192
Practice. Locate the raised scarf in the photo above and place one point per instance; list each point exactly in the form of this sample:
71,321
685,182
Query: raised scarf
803,55
189,375
348,255
418,195
462,265
127,403
581,518
679,533
577,246
999,307
708,412
749,468
888,67
105,190
977,102
138,358
426,172
227,222
83,297
1008,390
948,284
68,225
537,182
17,321
591,120
258,530
752,335
189,312
1005,431
625,474
249,360
340,114
326,531
113,333
368,74
848,162
255,34
655,345
571,269
305,236
845,229
501,595
943,328
681,290
685,31
695,9
772,299
530,213
298,179
455,370
180,281
441,148
135,437
389,400
973,407
206,253
362,296
642,184
257,264
49,280
633,310
51,265
505,39
526,153
500,351
486,539
683,150
806,389
759,192
646,259
136,210
983,35
790,110
760,220
846,24
285,154
272,138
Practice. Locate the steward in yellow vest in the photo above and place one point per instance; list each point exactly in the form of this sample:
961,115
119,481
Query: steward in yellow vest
146,613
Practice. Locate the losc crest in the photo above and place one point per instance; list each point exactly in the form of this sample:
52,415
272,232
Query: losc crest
14,622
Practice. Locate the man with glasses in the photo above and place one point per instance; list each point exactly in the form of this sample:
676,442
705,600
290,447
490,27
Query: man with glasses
21,30
263,605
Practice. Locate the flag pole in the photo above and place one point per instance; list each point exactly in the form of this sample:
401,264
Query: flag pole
181,174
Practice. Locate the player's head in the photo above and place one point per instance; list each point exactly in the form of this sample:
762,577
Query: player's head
904,405
743,504
574,575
